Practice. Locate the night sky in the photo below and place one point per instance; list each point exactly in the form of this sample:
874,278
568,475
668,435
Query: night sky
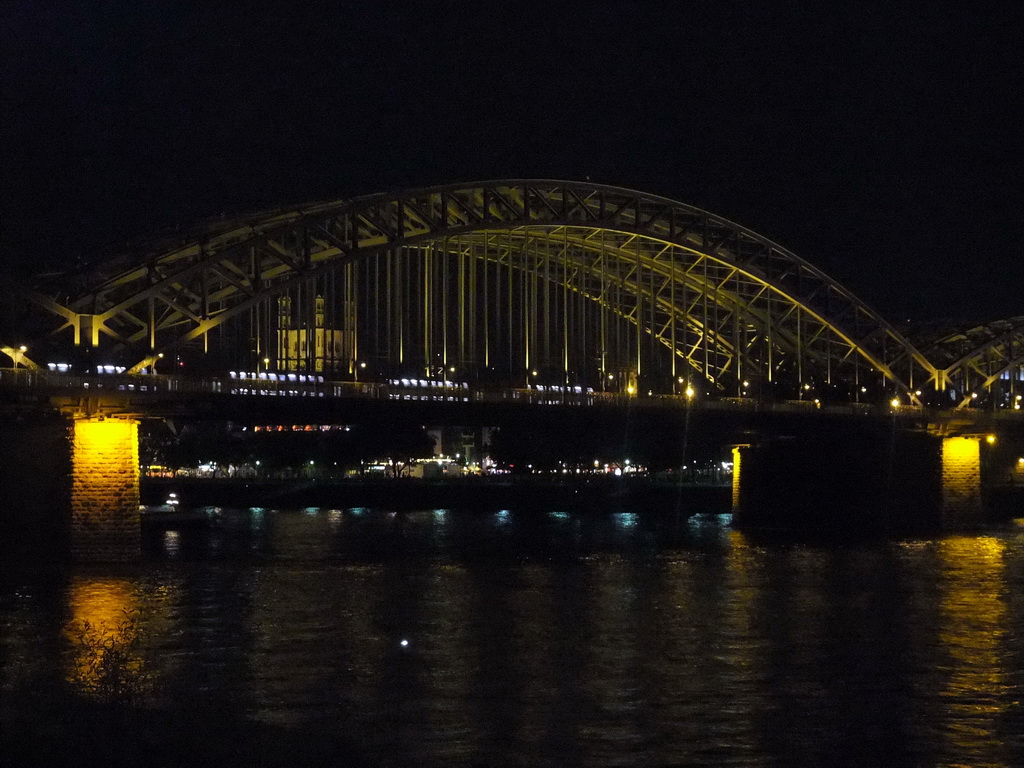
881,142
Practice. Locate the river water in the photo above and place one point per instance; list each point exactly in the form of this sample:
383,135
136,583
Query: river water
533,638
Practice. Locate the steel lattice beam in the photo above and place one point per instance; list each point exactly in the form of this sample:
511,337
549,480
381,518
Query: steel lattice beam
764,296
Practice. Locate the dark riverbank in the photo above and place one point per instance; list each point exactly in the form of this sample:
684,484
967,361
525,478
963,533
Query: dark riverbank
635,494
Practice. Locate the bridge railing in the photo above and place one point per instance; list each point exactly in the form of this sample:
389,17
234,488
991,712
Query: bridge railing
143,386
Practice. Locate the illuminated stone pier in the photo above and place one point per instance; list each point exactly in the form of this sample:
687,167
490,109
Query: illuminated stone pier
105,521
872,481
877,480
737,473
961,483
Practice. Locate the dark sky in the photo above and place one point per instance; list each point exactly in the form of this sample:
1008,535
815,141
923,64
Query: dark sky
881,142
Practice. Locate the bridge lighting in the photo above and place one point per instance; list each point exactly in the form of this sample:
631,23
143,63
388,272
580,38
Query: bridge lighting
532,373
690,392
807,386
362,365
974,395
895,402
630,390
746,383
990,439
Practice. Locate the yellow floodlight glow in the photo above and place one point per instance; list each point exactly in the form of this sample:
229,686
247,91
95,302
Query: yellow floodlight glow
690,392
990,439
895,402
96,437
736,462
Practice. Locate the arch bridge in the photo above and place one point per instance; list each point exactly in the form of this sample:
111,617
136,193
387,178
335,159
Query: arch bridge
515,283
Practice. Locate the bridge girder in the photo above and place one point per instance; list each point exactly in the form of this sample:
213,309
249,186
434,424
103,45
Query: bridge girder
766,300
974,360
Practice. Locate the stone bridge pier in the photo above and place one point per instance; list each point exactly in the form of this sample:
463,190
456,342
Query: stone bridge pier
104,518
69,485
866,481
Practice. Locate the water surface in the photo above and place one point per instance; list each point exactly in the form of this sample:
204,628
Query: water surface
442,637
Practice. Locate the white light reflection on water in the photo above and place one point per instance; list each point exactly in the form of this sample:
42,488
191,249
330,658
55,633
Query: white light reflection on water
172,543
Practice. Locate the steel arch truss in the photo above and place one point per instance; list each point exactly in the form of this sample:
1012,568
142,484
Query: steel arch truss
984,361
725,301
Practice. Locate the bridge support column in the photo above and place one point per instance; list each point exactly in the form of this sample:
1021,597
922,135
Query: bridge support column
105,520
961,483
737,464
872,481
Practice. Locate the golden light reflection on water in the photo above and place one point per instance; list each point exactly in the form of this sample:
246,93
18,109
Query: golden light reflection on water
104,604
974,618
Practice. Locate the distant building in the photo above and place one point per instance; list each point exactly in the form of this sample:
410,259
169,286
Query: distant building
318,348
467,445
